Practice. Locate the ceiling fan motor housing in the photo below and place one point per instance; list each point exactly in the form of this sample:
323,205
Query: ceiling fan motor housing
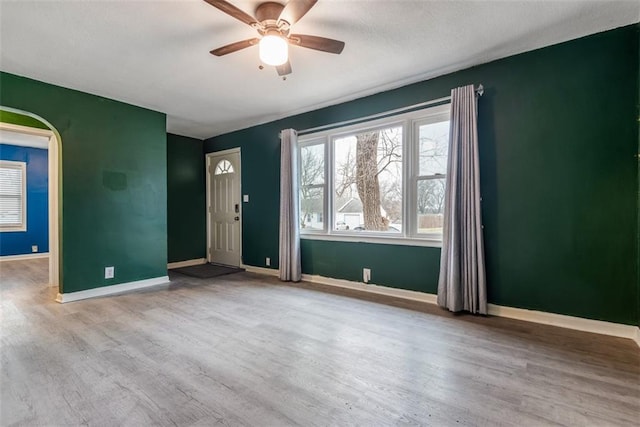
269,11
269,22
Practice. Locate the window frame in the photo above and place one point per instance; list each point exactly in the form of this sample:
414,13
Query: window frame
22,166
436,116
310,143
409,122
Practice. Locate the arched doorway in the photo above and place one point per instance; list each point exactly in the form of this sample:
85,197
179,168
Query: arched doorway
27,127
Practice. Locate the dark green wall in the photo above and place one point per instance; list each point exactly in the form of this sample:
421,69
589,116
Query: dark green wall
114,182
558,135
638,157
186,199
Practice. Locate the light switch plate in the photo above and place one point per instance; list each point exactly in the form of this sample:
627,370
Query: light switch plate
245,198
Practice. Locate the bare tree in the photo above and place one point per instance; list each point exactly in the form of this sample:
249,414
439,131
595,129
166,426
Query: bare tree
431,196
311,168
311,178
376,154
367,179
390,148
346,174
390,166
391,199
432,164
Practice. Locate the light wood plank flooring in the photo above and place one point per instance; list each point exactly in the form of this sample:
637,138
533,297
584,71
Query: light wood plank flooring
245,349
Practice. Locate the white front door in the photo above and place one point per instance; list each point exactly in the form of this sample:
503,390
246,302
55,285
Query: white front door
224,207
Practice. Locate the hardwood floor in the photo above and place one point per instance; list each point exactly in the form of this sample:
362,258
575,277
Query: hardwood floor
245,349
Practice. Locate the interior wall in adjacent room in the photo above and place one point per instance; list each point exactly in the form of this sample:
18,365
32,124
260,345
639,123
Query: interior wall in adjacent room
37,229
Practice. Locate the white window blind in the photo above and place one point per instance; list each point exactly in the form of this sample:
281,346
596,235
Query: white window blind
12,196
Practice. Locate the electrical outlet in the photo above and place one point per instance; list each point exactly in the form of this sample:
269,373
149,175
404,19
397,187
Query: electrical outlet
366,275
109,272
34,248
267,261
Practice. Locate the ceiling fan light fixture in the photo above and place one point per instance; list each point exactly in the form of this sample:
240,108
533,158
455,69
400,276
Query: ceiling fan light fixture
274,50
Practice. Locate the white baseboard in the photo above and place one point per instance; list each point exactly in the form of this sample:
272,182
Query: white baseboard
564,321
25,256
261,270
374,289
560,320
187,263
113,289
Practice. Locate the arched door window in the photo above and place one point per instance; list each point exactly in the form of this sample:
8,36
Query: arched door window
224,166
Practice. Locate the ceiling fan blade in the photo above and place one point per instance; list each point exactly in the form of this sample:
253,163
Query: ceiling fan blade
318,43
233,11
284,69
234,47
294,10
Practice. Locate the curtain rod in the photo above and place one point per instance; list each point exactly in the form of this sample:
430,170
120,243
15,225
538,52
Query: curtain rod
479,91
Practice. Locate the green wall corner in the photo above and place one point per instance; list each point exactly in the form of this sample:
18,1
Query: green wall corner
638,158
186,199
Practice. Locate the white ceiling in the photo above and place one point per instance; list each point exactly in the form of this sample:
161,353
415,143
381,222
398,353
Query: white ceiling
155,53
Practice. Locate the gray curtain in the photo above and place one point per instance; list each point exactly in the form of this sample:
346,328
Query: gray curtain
290,269
462,283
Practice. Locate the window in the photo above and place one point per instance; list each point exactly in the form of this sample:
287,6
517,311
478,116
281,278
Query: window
367,170
223,166
312,183
378,180
433,147
13,201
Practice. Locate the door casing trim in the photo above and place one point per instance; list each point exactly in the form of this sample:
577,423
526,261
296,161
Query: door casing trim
54,188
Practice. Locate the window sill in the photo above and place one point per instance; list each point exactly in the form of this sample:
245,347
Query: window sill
12,229
400,241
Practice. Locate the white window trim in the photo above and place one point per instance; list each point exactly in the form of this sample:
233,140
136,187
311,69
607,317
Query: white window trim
370,237
410,123
22,166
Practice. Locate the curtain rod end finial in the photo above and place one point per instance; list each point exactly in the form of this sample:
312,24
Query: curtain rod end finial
480,90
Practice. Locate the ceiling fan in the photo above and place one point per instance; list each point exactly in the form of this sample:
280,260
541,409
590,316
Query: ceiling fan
273,22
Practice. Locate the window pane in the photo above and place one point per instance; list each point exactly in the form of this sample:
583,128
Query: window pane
10,210
368,181
430,202
433,148
223,166
11,203
311,208
312,165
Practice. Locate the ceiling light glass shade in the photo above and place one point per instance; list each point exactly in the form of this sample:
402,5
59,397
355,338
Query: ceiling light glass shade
273,50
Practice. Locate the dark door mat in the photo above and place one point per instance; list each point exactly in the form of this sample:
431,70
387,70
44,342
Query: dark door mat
207,271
